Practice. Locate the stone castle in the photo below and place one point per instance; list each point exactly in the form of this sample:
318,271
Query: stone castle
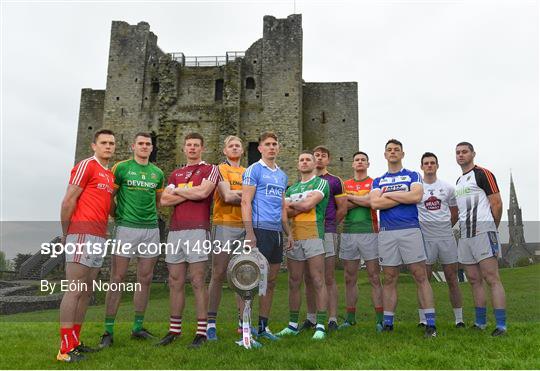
241,93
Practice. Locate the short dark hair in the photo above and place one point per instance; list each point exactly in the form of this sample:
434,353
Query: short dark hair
102,131
142,134
394,141
323,149
306,152
266,135
194,136
360,153
429,154
466,144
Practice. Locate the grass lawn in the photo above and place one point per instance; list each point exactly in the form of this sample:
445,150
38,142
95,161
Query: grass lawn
30,340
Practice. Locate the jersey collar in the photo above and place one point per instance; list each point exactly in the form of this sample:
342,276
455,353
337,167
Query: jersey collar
95,158
266,166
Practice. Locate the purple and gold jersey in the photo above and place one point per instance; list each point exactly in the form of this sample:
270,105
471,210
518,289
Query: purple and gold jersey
336,190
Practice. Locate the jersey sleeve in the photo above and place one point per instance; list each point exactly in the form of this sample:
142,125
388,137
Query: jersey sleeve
337,188
486,180
375,185
416,177
161,182
251,176
326,188
117,172
288,192
212,174
222,174
452,202
81,173
171,182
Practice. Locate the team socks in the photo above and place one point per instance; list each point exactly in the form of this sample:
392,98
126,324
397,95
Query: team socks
379,314
312,317
331,319
77,333
480,316
421,316
388,318
458,315
212,319
321,318
430,316
293,319
351,315
109,324
138,321
175,325
263,323
67,339
500,318
201,326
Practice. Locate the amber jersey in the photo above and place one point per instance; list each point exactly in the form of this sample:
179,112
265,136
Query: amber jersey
224,213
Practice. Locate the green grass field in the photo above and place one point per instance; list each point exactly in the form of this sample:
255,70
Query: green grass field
30,340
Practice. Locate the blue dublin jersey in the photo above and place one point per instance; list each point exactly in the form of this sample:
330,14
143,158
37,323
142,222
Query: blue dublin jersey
402,216
267,202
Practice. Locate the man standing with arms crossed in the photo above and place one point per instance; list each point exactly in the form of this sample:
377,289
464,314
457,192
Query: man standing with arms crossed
138,189
359,240
189,190
306,203
336,210
480,209
437,212
228,226
265,218
84,215
396,194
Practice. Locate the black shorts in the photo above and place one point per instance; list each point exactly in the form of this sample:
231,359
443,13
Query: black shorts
270,244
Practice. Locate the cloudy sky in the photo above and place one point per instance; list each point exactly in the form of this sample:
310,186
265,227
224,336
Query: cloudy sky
431,73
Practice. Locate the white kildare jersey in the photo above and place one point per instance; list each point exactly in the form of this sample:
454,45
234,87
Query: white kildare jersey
472,189
434,210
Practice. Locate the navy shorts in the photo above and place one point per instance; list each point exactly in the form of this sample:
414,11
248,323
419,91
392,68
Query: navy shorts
270,244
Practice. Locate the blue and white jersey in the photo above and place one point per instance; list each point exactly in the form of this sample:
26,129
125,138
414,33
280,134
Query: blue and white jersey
402,216
270,187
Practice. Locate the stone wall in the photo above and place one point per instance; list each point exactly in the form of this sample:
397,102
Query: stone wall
90,120
330,118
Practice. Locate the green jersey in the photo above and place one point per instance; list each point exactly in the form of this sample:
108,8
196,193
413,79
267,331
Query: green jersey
136,187
310,224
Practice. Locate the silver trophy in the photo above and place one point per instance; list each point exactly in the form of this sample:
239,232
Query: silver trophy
246,274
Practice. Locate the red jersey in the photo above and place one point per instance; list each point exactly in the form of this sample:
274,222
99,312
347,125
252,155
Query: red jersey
192,214
92,211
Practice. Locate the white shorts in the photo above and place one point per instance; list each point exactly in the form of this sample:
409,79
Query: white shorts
187,246
304,249
356,246
444,250
330,242
232,236
144,242
401,246
76,253
475,249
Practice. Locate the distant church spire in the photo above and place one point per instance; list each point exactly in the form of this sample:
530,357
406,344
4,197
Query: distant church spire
515,221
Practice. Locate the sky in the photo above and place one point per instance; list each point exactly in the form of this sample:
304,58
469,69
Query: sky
430,73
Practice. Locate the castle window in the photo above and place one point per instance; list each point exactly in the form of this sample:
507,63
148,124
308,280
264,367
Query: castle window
286,94
155,86
89,128
218,95
323,117
253,153
250,83
153,155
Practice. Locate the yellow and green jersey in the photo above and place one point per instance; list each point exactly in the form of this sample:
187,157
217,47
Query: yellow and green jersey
310,224
136,187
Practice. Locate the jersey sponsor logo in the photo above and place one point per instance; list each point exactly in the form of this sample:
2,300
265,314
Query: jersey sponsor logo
185,185
433,203
140,183
395,187
235,182
105,187
394,179
274,190
462,191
